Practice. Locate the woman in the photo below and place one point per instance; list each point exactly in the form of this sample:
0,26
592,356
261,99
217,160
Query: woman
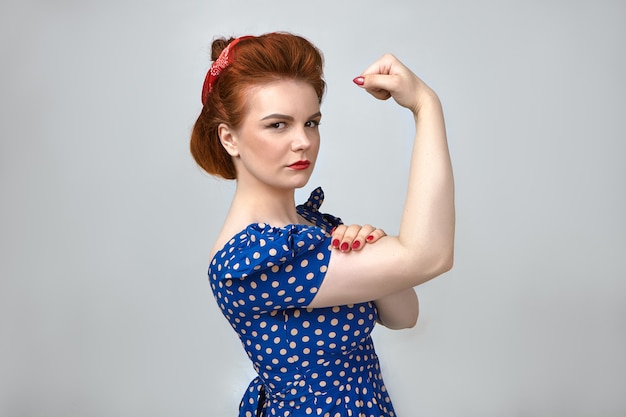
303,311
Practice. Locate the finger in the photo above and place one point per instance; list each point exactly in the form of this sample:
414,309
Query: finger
359,241
349,237
379,93
380,86
383,66
337,235
343,237
354,237
381,76
386,64
375,235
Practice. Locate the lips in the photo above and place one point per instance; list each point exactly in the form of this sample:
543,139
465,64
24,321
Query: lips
300,165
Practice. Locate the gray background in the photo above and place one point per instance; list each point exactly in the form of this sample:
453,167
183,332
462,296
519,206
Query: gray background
106,223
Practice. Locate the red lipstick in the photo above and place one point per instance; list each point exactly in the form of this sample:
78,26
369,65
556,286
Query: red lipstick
300,165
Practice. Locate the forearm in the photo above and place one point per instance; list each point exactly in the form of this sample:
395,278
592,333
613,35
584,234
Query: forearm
427,225
398,310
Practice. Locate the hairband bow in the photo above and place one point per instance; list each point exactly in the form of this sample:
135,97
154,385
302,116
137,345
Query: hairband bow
223,61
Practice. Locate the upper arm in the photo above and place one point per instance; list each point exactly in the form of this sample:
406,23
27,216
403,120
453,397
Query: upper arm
265,268
377,271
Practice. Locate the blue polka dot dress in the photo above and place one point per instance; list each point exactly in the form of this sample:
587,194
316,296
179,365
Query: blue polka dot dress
310,362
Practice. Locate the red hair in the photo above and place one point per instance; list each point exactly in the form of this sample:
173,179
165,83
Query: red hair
258,60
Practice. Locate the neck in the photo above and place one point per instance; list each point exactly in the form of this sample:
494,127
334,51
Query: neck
262,204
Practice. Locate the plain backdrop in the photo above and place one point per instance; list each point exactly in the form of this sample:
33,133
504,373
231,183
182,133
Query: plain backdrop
106,222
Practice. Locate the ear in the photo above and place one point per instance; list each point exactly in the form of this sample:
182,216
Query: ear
228,139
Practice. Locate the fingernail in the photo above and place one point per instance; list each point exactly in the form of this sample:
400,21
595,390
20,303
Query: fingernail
333,230
344,246
356,244
370,238
336,243
359,81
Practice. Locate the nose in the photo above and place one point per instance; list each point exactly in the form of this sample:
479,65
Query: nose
301,140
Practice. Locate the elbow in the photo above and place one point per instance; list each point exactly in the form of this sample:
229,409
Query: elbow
437,266
406,323
404,313
447,262
411,323
428,264
414,314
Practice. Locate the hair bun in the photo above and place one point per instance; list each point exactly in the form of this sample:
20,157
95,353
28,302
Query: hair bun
218,46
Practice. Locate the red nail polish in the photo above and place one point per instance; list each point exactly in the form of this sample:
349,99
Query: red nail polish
370,238
344,246
359,81
356,244
336,243
333,230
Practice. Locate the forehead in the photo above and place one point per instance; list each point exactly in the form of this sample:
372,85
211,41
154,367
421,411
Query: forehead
284,96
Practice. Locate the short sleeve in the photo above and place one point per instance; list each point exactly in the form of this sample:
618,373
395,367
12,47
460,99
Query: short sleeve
265,268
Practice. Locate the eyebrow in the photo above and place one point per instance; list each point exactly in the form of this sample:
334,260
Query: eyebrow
287,117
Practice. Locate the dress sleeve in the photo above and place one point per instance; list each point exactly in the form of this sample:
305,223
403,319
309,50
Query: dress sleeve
266,268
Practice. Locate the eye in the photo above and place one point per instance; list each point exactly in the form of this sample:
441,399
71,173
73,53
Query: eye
278,125
312,123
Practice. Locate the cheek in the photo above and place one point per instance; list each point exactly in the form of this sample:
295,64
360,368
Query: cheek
315,144
257,146
268,151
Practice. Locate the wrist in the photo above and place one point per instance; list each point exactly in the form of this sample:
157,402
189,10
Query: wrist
428,102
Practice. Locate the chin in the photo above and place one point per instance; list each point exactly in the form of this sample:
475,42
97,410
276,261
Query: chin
299,184
300,181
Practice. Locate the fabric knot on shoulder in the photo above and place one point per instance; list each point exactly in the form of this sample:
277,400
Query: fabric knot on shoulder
315,200
260,247
310,211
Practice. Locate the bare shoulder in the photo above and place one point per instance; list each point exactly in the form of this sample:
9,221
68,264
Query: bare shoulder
226,234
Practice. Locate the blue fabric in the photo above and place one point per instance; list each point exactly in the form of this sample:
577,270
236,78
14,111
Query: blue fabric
315,362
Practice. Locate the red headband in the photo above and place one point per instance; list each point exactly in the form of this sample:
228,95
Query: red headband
218,66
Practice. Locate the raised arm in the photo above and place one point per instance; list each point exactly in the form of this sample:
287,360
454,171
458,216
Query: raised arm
424,247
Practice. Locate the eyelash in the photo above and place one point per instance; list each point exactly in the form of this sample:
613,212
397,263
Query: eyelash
310,123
